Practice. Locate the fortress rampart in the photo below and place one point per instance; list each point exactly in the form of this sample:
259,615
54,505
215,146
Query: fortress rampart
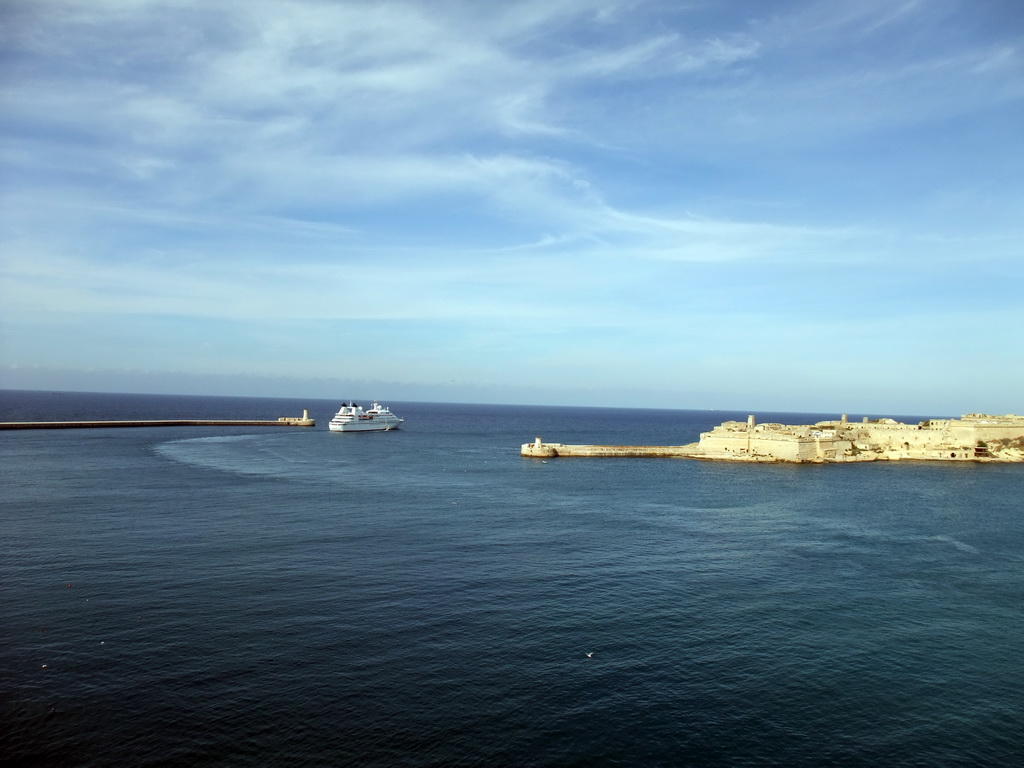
974,437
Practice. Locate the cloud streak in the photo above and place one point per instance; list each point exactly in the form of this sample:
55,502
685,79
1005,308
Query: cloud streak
577,180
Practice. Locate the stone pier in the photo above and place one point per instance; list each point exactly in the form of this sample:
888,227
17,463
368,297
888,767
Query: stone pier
541,450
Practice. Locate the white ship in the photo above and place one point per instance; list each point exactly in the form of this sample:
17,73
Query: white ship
352,418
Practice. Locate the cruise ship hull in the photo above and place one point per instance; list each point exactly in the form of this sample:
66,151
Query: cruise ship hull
363,426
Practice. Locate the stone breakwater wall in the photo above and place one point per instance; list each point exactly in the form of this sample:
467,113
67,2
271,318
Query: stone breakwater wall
284,421
974,437
541,450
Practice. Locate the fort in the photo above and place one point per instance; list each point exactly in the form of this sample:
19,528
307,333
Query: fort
973,437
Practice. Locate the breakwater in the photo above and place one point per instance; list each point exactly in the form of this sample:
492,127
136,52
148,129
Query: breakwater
284,421
541,450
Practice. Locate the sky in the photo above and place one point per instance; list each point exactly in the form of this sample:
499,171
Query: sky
778,205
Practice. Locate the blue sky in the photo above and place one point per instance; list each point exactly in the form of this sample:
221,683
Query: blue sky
791,205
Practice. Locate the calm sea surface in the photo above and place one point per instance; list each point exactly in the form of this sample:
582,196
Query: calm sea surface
291,597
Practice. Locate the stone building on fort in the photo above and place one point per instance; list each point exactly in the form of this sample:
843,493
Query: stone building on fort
974,437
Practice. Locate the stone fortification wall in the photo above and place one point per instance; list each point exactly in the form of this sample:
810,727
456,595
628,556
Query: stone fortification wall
975,437
731,443
942,438
975,427
781,443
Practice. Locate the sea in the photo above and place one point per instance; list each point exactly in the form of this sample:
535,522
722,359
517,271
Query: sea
285,596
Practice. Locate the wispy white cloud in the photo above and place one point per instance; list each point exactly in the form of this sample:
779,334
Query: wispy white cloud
552,172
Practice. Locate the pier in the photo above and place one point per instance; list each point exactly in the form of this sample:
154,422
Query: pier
541,450
284,421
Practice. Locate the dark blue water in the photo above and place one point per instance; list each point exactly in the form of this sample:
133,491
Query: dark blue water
426,597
